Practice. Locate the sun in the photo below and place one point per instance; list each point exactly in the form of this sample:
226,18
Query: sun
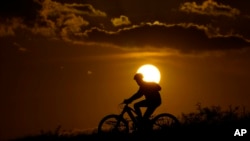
150,72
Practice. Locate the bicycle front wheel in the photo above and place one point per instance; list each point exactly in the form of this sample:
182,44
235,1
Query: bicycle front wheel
113,124
165,121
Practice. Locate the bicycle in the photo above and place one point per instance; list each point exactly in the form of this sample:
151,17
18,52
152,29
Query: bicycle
117,123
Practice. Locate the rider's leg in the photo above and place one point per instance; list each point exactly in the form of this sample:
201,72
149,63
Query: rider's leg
151,106
137,107
149,111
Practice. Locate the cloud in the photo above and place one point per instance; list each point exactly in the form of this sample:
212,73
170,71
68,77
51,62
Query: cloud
85,23
49,18
8,27
64,19
53,8
183,37
122,20
89,72
20,48
209,7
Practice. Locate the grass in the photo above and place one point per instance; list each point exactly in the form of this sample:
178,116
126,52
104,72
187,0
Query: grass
213,121
204,122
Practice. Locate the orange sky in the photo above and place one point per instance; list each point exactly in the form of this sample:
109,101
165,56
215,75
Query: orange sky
72,63
77,92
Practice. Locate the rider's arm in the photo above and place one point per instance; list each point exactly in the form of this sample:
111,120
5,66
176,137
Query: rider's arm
137,95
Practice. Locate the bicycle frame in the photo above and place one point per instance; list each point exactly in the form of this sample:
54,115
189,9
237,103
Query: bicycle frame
118,123
130,111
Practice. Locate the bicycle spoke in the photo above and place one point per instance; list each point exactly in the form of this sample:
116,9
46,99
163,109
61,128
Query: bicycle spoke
112,124
164,121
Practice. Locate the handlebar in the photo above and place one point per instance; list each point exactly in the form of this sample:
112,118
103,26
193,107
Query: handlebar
123,104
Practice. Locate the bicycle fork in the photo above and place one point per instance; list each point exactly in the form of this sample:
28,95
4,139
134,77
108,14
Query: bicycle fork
119,120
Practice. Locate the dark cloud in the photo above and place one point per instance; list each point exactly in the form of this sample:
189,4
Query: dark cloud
242,6
51,19
184,25
209,7
9,27
186,38
227,17
27,9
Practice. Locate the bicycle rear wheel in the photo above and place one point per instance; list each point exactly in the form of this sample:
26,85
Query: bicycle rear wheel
165,121
113,124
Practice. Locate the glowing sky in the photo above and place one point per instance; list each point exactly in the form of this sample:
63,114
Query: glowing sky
70,62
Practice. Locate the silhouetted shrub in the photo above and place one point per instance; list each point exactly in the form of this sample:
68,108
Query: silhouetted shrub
213,121
214,115
209,122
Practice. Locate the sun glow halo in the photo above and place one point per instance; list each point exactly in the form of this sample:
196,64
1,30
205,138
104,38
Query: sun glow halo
150,73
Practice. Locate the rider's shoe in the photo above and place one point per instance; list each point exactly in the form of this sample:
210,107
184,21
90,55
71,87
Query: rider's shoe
143,123
138,118
139,122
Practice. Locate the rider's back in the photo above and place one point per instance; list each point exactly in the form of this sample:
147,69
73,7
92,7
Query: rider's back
151,92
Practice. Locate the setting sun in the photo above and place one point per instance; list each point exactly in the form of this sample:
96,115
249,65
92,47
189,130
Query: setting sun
150,73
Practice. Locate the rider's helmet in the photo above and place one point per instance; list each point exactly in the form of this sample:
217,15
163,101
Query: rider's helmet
138,76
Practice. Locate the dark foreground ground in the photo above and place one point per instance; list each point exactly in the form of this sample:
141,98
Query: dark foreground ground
214,132
207,123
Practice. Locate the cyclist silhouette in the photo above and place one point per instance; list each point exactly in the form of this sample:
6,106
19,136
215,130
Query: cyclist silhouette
152,100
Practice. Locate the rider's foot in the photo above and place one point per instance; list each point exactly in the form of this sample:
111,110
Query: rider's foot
142,122
138,118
